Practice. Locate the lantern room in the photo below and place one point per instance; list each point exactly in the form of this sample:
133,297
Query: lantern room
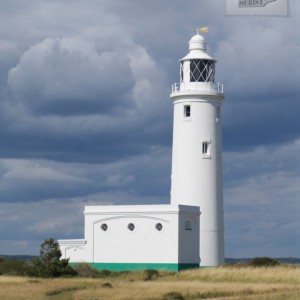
197,66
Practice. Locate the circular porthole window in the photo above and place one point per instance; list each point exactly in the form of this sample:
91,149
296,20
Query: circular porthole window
104,227
131,226
158,226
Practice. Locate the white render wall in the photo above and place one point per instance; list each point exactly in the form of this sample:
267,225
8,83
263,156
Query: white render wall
74,249
196,177
145,244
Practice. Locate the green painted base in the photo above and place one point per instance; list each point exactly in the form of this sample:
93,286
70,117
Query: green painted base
140,266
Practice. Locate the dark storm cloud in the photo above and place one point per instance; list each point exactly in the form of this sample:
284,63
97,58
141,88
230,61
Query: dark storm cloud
68,76
271,119
257,64
69,101
77,76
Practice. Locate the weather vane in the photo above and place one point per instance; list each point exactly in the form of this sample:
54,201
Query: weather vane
200,29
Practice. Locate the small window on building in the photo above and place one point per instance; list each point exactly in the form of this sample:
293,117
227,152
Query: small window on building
104,227
131,226
205,148
188,225
158,226
187,111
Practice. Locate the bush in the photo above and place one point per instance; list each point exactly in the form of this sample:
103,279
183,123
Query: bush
173,296
263,262
49,263
106,285
11,267
85,270
150,274
106,273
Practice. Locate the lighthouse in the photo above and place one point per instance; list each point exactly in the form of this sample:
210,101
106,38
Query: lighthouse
196,178
189,231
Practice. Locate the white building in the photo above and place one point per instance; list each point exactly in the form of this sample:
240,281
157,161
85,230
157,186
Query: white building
189,232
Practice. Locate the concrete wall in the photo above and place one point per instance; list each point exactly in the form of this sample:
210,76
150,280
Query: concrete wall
197,177
74,249
188,232
108,239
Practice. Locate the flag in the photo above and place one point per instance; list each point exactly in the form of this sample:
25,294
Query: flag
204,29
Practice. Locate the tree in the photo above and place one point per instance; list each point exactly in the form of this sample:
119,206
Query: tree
50,251
49,264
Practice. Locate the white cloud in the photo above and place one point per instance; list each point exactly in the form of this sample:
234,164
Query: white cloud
256,59
70,72
150,83
36,170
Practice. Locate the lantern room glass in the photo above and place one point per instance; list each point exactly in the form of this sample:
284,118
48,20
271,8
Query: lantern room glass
202,70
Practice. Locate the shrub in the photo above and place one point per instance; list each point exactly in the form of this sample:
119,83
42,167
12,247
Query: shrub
150,274
11,267
107,285
105,273
85,270
173,296
263,262
49,263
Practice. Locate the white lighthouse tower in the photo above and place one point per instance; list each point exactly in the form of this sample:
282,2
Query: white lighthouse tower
197,147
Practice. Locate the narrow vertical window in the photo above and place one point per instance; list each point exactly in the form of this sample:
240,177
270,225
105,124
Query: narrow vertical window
205,146
187,111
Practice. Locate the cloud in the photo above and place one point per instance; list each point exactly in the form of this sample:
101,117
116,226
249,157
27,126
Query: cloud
85,115
24,226
39,180
68,76
65,94
253,123
261,202
259,60
261,160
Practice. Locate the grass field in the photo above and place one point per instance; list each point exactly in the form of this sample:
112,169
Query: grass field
276,283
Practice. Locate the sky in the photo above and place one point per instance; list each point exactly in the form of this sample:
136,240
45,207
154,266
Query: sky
86,116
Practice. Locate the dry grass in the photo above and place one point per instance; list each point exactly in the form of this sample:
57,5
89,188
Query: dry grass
279,274
276,283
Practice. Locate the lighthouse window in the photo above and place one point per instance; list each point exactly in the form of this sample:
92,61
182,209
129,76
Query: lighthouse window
158,226
188,225
181,72
205,147
187,111
202,70
131,226
104,227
